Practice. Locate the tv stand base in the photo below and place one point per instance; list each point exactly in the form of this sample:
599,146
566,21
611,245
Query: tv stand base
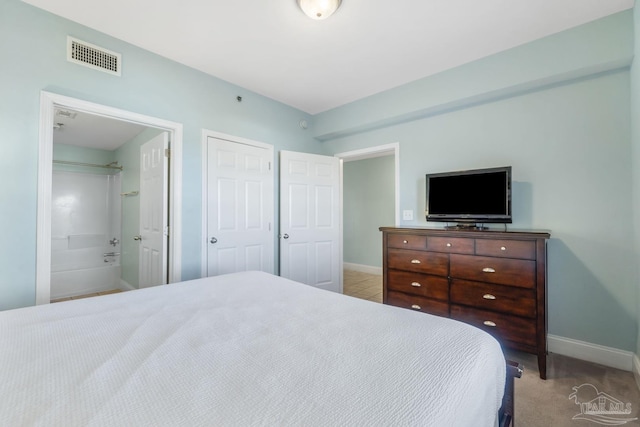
466,226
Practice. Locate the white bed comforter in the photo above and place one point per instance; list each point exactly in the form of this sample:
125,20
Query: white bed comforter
243,349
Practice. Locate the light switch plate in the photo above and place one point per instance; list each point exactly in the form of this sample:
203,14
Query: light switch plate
407,215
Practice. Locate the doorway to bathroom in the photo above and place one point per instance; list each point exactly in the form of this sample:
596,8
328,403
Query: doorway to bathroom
108,216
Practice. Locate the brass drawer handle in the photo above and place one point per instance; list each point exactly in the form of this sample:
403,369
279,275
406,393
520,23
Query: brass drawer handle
415,261
415,284
502,248
488,296
448,245
416,307
488,270
405,242
489,323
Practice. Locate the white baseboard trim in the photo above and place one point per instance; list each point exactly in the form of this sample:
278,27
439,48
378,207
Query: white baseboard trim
607,356
636,369
362,268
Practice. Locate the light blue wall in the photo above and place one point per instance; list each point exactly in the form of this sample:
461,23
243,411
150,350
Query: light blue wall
368,203
33,52
557,110
635,141
602,45
568,143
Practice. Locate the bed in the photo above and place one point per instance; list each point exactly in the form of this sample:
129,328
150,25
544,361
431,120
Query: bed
243,349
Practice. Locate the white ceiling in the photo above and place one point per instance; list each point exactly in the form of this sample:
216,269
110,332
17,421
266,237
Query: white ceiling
367,46
88,130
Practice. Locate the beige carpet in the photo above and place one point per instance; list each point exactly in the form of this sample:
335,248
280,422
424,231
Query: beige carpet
546,403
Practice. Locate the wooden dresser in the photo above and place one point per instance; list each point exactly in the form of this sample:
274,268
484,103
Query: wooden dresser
495,280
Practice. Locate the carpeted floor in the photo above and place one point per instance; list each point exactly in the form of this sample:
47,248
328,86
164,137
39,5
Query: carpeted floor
545,403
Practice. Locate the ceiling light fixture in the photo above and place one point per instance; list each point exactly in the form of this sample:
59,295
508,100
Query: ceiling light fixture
319,9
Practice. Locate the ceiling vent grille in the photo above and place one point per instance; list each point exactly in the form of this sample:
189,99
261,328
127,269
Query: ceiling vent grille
92,56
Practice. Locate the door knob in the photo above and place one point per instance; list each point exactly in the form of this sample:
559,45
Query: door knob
286,236
138,237
213,240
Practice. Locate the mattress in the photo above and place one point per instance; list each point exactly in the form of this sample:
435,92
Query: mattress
244,349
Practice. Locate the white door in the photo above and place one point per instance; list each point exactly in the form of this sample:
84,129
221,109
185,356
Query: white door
240,207
154,166
310,220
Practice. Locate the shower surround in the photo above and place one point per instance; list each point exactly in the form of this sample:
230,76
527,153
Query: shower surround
85,233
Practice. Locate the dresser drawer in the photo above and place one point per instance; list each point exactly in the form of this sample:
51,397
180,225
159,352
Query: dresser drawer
493,276
511,272
525,249
454,245
506,299
418,261
416,303
418,284
502,326
406,241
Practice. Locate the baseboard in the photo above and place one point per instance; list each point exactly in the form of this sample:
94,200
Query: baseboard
363,268
607,356
636,369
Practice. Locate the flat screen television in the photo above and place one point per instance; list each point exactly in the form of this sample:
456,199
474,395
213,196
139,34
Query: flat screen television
470,197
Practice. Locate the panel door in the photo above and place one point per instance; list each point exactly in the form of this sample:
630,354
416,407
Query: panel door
154,167
310,212
240,207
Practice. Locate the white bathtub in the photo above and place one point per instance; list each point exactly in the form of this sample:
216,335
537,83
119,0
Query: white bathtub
68,283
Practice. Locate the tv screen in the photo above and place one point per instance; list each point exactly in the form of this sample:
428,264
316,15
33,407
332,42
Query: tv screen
481,195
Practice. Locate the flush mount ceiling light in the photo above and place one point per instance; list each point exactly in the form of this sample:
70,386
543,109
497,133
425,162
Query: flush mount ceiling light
319,9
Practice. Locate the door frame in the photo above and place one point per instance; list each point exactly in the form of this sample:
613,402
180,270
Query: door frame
206,134
48,103
392,149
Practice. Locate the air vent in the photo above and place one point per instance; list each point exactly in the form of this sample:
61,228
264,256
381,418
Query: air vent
92,56
66,113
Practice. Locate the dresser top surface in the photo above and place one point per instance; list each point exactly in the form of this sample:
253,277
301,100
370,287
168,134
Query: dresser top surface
491,233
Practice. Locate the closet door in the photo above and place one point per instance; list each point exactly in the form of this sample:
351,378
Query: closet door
240,207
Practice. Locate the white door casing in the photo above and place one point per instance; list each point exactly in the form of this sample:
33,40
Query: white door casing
310,250
154,165
240,205
48,103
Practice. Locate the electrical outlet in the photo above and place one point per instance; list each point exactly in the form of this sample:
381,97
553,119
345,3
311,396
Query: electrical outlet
407,215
